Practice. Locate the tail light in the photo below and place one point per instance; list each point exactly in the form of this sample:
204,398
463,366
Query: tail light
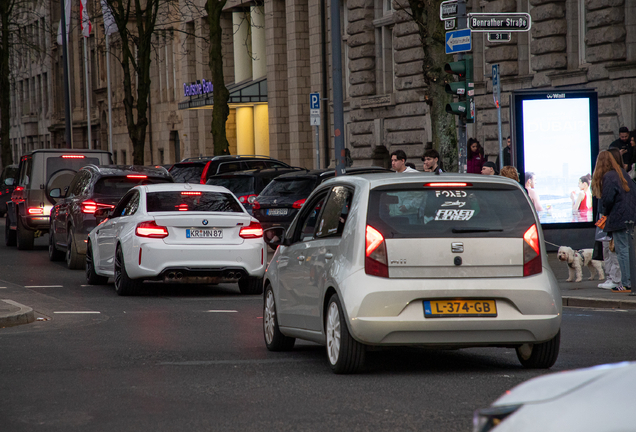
35,210
191,193
254,230
73,156
136,176
90,207
151,229
531,252
256,205
375,262
245,199
447,184
204,174
298,204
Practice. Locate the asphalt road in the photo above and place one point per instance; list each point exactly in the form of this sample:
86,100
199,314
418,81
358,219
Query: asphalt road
192,358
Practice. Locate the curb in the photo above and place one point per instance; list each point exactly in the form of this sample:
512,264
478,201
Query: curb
24,315
598,303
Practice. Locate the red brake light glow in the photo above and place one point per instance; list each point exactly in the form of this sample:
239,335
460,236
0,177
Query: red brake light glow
35,210
136,176
73,156
191,193
447,184
254,230
532,238
18,188
90,207
204,174
375,262
256,205
298,204
531,252
151,229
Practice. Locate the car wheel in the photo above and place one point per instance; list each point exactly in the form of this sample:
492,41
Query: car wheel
74,260
346,355
540,356
9,234
251,285
274,339
24,236
54,253
92,278
124,285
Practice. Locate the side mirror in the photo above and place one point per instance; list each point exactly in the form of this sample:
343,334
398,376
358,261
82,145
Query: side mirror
274,236
102,214
9,181
55,193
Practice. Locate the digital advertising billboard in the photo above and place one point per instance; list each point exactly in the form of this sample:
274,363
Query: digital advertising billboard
556,145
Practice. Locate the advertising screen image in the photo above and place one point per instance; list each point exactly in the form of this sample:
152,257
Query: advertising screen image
557,157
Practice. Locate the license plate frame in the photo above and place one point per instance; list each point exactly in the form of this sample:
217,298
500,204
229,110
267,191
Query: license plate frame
277,212
216,233
460,308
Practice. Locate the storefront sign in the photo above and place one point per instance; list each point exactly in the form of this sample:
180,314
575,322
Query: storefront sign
197,88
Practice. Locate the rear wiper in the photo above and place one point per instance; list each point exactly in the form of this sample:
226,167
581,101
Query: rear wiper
474,230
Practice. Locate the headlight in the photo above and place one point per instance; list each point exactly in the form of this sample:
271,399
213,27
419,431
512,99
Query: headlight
486,419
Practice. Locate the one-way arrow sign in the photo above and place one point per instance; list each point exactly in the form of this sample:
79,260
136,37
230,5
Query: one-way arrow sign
458,41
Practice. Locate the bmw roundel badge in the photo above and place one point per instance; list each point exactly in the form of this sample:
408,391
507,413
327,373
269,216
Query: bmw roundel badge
204,221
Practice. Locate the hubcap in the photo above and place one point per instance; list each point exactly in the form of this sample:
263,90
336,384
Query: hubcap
117,270
69,245
268,317
333,333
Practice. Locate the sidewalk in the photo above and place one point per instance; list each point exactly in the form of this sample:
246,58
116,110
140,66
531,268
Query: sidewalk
13,313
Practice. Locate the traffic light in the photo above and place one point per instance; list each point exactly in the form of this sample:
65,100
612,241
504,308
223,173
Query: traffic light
464,88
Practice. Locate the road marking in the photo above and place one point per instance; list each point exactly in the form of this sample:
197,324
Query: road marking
3,287
77,312
228,311
44,286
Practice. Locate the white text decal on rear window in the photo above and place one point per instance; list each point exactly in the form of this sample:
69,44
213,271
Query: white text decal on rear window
459,204
449,193
454,215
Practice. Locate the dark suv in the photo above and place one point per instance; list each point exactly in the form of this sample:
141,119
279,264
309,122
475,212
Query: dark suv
93,187
198,170
39,173
246,185
8,181
279,202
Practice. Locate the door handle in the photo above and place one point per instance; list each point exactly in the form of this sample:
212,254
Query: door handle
301,258
328,255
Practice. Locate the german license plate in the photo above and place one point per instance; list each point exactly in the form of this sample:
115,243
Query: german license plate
277,212
204,233
459,308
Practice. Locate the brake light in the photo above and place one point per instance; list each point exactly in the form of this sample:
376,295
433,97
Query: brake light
151,229
204,174
531,252
244,199
35,210
375,262
191,193
73,156
18,188
90,207
256,205
447,184
136,176
298,204
254,230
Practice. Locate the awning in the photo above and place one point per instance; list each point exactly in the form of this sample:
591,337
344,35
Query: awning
250,92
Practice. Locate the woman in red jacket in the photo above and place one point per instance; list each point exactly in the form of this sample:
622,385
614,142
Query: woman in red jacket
475,159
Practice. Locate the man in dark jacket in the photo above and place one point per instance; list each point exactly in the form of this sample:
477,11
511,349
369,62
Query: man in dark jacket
506,154
624,146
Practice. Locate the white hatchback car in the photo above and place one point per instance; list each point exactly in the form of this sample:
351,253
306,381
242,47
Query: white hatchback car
177,233
446,261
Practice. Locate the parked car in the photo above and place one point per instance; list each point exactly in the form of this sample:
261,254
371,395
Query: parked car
198,170
595,399
39,173
279,202
246,185
8,182
400,260
178,233
93,187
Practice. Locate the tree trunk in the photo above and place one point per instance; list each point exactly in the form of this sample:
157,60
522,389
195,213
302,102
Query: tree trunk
432,34
5,84
221,95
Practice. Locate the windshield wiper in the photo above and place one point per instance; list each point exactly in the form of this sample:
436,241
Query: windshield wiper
474,230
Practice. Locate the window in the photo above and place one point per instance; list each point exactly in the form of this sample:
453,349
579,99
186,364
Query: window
170,201
385,72
334,216
310,217
133,204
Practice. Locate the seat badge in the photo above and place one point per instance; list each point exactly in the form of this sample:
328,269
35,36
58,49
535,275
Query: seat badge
204,221
457,247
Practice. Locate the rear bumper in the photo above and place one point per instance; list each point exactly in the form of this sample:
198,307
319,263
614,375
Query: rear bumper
35,223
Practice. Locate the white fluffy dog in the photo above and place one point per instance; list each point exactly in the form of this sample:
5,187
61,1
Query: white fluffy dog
576,260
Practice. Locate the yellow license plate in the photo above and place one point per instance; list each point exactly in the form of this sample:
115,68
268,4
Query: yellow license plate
459,308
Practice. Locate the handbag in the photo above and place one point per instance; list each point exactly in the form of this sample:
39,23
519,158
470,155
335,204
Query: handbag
601,235
597,254
601,222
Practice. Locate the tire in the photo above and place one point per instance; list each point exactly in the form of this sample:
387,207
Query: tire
274,339
74,260
92,278
251,285
540,356
54,253
24,237
345,354
124,285
9,234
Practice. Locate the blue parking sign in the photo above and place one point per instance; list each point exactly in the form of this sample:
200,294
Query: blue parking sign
314,101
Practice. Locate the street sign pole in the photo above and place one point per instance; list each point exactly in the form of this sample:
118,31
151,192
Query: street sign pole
314,120
336,61
461,143
496,95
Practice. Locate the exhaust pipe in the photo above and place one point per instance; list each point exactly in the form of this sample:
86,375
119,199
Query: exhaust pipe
179,276
171,275
230,275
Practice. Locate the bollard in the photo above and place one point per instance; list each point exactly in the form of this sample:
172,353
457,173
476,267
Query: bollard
632,253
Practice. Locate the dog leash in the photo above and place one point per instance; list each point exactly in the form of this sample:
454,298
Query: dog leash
552,244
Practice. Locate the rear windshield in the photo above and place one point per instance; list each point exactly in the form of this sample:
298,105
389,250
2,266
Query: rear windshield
239,185
183,201
187,172
295,186
10,172
118,186
55,164
469,212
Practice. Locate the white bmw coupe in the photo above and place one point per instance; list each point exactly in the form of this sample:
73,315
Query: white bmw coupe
176,233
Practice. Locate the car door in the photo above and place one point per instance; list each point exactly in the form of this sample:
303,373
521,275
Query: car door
62,208
107,232
294,273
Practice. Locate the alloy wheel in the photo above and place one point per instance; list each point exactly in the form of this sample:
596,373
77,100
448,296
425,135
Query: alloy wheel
117,270
269,317
333,333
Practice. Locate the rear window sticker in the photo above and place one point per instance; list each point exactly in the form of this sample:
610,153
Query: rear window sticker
454,215
450,193
458,203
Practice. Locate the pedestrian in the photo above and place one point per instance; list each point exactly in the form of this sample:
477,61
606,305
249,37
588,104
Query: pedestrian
617,194
410,165
510,172
625,147
398,162
489,168
506,152
475,157
534,196
431,161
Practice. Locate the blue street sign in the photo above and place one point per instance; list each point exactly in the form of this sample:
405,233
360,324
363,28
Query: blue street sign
458,41
314,101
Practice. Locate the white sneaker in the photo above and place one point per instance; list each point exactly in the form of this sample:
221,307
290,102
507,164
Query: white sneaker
608,284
